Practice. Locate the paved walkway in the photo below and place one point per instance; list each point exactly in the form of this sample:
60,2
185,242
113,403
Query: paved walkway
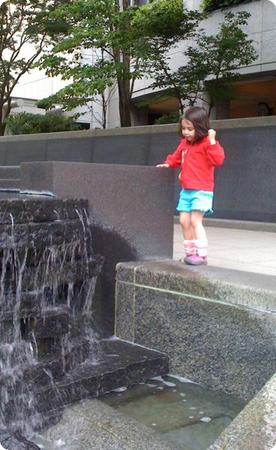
245,250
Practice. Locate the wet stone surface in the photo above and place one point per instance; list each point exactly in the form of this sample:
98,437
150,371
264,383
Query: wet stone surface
50,354
24,209
163,413
186,415
46,263
94,425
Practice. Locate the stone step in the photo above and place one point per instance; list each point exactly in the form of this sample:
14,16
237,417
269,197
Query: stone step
42,209
37,286
9,172
41,235
52,324
22,373
121,365
11,184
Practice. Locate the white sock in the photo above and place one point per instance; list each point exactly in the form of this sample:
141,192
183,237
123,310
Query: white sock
201,247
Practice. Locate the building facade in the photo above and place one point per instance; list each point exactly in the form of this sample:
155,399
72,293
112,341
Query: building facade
255,92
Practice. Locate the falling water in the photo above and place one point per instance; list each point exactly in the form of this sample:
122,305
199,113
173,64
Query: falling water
47,283
50,356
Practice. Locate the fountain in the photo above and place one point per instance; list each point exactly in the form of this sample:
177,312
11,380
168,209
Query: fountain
51,354
57,313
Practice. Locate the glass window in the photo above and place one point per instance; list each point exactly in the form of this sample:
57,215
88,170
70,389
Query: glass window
139,2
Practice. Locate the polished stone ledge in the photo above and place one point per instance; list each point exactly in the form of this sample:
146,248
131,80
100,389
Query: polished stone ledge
139,130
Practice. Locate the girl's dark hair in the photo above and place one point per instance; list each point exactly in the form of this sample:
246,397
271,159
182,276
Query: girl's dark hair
200,120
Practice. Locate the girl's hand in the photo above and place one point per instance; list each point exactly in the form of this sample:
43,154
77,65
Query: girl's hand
212,136
163,165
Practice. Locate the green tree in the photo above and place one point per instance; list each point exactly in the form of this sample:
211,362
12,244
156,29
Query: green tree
27,123
211,63
211,5
124,39
22,26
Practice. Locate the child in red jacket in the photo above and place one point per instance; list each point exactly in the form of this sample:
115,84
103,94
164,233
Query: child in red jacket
197,154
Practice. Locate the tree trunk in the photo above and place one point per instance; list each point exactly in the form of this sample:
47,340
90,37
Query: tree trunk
124,102
123,80
2,129
211,105
181,106
5,111
2,117
104,110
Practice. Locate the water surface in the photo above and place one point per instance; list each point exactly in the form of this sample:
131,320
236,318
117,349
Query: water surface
186,414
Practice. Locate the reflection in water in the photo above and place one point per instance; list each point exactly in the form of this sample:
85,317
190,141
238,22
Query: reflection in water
187,415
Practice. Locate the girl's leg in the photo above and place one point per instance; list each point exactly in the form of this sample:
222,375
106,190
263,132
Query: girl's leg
187,231
197,225
186,226
200,241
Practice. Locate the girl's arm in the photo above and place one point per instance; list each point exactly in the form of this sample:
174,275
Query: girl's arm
173,159
215,152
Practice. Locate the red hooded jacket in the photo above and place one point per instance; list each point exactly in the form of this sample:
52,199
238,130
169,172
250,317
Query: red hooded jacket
197,161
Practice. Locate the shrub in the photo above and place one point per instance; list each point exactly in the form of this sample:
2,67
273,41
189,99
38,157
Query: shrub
171,117
27,123
212,5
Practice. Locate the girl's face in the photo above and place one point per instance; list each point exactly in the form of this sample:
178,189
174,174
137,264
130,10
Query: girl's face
188,130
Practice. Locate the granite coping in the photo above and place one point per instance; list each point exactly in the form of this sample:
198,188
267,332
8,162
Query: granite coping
243,289
255,426
142,129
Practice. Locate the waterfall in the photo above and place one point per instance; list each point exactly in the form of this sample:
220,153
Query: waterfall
47,283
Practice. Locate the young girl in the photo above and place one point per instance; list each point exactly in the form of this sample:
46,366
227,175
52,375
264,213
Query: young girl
197,154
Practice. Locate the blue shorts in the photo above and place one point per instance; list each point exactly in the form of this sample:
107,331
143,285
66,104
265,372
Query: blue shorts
194,200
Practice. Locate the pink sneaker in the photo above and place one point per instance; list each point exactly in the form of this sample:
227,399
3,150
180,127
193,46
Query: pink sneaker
196,260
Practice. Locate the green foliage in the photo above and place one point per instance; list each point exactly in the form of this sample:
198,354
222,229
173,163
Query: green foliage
172,117
211,5
211,57
125,41
26,123
164,19
22,22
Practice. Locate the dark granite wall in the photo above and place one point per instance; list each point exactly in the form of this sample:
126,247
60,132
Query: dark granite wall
130,210
245,185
